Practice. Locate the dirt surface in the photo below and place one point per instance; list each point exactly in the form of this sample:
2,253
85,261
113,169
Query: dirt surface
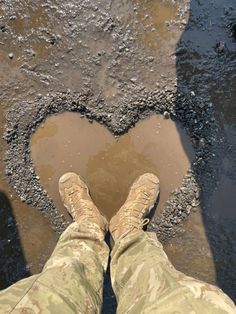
117,63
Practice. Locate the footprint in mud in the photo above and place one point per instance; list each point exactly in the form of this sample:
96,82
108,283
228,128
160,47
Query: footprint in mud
66,142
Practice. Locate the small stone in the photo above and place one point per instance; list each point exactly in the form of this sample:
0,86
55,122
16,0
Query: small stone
10,221
233,30
133,79
31,52
166,115
180,51
9,172
2,27
188,209
202,142
150,59
22,199
220,47
10,55
27,267
196,203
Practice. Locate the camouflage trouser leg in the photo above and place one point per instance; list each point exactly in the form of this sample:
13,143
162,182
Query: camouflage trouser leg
144,281
71,281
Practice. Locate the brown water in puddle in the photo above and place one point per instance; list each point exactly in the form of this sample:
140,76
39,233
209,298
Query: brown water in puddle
109,165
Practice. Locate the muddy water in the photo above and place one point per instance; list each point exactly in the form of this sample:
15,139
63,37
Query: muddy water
193,242
109,165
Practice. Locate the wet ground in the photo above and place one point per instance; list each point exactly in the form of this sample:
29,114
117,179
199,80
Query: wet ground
128,60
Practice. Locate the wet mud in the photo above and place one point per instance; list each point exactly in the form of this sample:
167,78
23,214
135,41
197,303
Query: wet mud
117,63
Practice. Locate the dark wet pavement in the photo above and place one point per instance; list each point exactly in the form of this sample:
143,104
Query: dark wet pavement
207,67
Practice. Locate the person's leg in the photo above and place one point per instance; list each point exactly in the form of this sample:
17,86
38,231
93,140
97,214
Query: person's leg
72,279
143,279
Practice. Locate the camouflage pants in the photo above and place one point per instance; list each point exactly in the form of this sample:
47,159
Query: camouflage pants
143,279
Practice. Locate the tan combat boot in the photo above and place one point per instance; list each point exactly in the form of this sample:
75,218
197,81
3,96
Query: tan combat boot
76,198
141,199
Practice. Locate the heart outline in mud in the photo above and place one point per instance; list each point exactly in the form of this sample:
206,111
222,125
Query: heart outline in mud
18,158
109,165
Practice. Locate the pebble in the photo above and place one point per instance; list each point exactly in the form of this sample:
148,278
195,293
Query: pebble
180,51
2,27
196,203
10,221
10,55
150,59
220,47
22,199
166,115
133,79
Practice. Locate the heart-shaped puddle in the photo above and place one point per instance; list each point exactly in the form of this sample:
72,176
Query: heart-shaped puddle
109,165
